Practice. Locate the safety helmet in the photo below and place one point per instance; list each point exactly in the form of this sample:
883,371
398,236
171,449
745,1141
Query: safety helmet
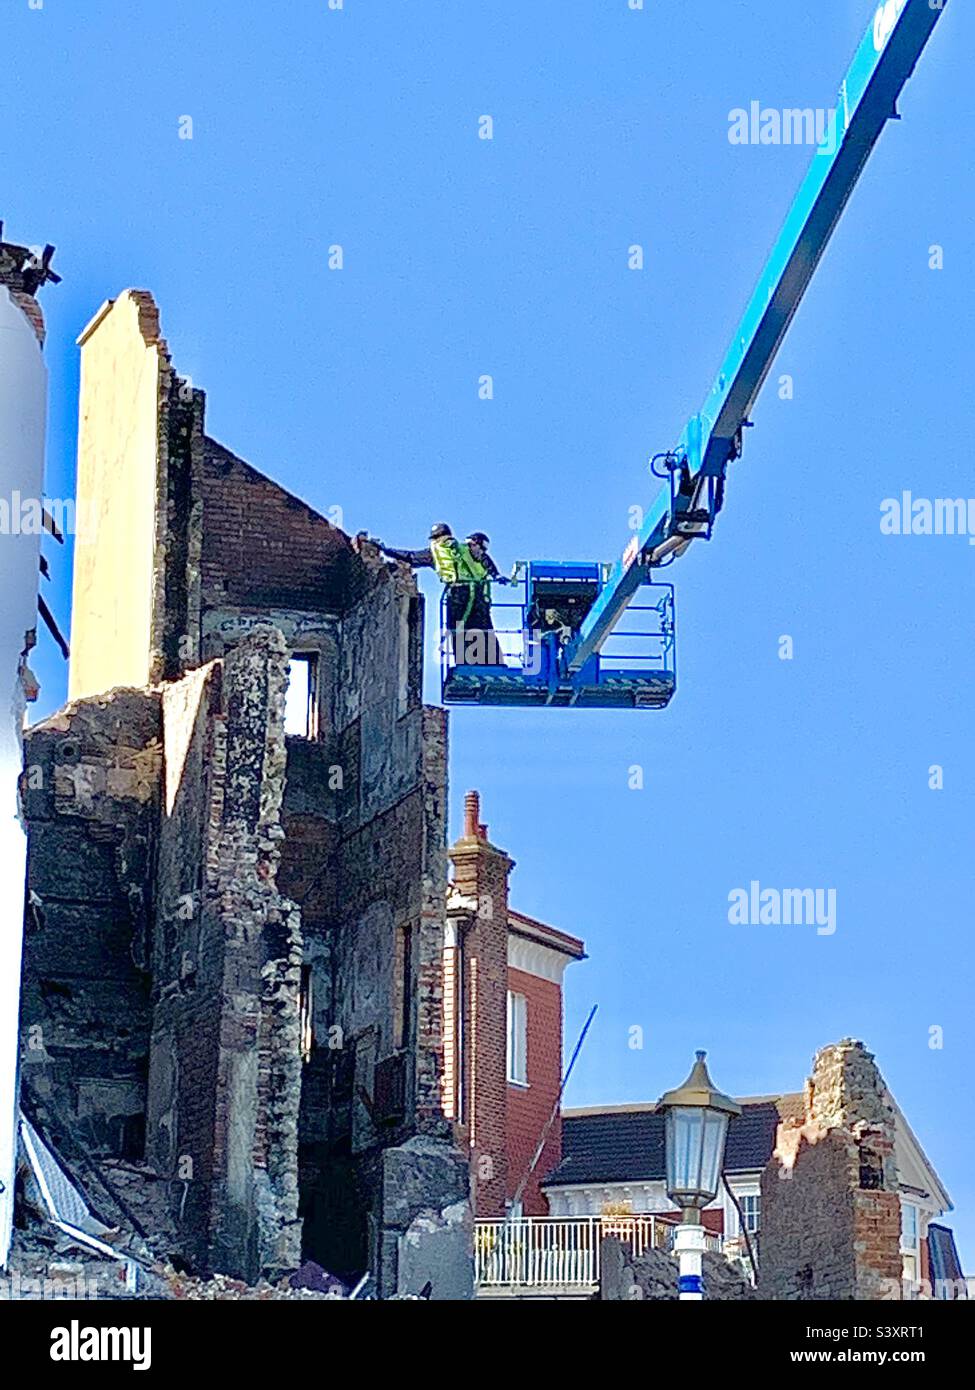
439,530
479,537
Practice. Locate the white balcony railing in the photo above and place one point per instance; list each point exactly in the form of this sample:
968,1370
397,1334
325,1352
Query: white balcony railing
560,1253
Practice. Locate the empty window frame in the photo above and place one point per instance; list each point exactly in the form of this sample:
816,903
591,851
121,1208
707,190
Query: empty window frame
403,991
301,701
305,1014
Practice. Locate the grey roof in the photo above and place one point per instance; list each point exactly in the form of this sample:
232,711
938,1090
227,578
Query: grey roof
624,1145
943,1253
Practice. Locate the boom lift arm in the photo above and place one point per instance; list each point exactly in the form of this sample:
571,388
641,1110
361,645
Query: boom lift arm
569,610
868,97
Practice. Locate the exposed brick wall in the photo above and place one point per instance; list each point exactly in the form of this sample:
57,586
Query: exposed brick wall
263,547
29,306
481,878
830,1207
18,275
223,1105
175,633
90,792
428,952
530,1108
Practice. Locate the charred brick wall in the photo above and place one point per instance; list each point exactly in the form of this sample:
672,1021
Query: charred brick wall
223,1102
90,793
293,887
263,547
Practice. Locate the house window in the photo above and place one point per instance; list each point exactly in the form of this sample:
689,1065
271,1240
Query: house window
751,1210
517,1039
301,701
909,1242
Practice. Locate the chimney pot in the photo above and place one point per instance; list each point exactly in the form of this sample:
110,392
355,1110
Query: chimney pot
472,814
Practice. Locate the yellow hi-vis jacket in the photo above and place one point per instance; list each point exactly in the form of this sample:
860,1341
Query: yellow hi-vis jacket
455,564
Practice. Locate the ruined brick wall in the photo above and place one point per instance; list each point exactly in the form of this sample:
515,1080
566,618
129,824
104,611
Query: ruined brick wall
429,987
17,275
90,793
264,548
363,853
287,873
830,1206
223,1104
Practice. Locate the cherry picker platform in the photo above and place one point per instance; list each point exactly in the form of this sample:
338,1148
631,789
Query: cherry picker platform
636,668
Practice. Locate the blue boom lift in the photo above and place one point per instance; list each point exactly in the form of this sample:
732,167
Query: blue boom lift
575,637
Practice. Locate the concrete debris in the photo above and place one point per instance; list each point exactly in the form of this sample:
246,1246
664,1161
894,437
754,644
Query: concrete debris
432,1251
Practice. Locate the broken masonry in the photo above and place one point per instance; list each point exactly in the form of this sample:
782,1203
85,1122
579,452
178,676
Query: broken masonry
233,963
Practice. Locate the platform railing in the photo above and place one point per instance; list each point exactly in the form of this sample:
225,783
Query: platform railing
643,639
561,1253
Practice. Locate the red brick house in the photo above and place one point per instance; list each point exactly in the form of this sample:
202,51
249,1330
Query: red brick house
502,1027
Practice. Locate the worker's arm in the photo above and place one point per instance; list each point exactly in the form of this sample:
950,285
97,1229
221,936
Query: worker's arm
494,574
419,559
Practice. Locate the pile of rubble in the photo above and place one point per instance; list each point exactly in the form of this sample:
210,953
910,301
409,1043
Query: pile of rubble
653,1275
223,1289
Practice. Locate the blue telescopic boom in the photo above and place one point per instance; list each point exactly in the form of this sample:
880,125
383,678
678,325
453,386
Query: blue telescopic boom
868,97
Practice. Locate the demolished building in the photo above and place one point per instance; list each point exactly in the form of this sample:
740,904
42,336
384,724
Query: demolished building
233,964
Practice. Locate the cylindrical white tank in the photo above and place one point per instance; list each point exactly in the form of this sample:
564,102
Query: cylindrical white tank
23,396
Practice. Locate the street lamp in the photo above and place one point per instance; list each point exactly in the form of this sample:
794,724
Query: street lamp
696,1126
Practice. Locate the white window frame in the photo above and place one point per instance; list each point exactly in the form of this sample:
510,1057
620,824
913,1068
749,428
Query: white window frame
732,1223
910,1248
911,1253
743,1199
517,1034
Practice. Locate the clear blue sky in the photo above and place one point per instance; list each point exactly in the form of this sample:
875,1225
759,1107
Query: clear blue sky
358,389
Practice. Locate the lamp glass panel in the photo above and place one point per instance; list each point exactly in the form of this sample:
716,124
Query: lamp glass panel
685,1132
712,1151
695,1140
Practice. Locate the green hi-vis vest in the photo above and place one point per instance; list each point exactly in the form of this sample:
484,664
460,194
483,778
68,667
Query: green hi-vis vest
455,564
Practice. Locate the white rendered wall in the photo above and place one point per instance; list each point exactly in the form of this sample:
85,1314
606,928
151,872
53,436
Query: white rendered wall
23,391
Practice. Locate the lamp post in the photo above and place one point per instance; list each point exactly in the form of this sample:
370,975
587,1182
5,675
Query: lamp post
696,1127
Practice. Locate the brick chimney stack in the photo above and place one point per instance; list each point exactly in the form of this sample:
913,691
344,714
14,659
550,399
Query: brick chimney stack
474,827
480,883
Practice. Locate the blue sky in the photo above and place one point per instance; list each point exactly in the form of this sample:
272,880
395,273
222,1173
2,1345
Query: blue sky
358,388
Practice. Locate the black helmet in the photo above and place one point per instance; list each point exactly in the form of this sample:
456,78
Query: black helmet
479,537
438,530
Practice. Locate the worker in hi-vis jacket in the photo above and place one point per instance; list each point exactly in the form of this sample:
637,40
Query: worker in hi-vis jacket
466,570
